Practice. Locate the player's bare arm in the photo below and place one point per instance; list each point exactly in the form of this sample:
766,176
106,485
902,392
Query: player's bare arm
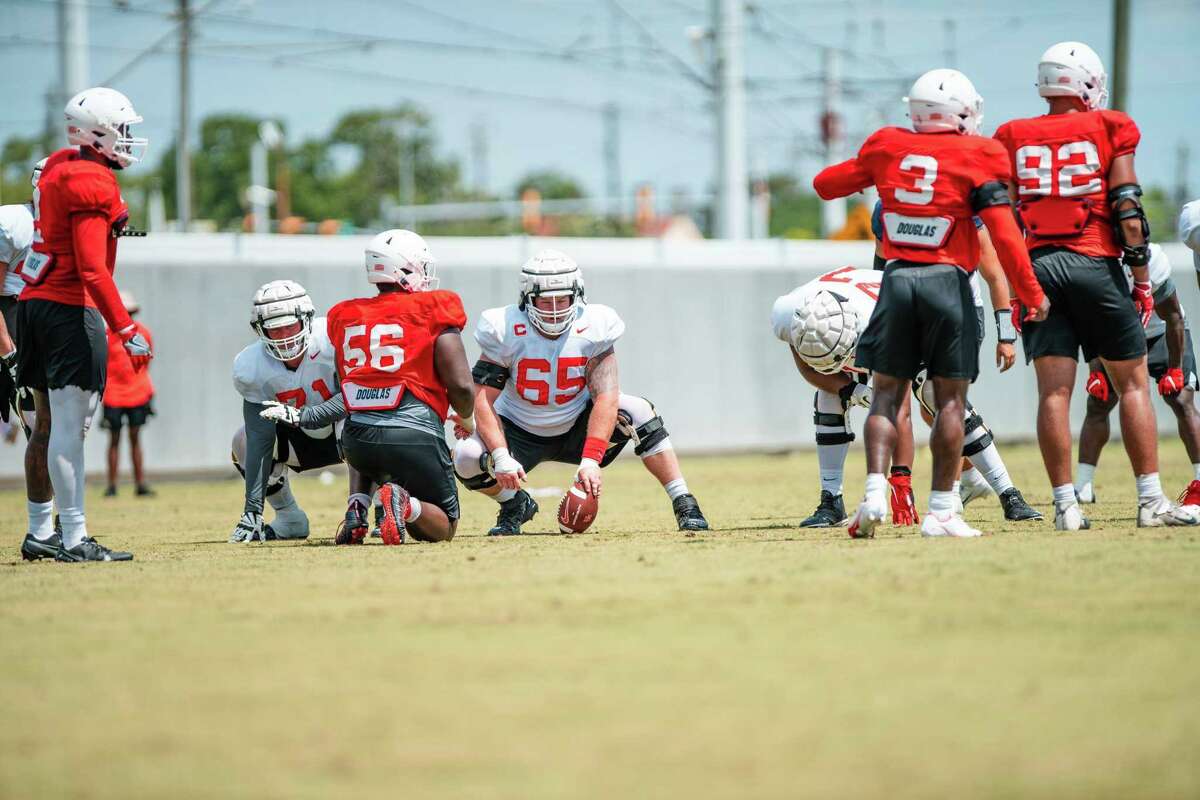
450,362
993,275
819,380
489,378
604,386
1171,312
1013,257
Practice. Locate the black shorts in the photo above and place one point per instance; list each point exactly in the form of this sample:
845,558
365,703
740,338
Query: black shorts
302,452
116,416
1157,360
925,319
61,345
417,460
566,448
1090,309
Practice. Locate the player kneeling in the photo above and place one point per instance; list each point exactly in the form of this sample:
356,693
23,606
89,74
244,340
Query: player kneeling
291,363
548,391
400,364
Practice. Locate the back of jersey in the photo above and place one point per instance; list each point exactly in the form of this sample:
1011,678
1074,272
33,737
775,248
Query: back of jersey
1061,164
925,182
384,347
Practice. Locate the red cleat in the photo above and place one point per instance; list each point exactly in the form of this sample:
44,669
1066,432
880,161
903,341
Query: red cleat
395,508
353,528
1191,495
904,502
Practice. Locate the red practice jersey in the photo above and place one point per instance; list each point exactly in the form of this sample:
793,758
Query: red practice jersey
77,212
1061,164
925,182
124,387
383,347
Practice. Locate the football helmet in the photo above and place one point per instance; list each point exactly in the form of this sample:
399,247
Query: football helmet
37,171
944,100
1072,69
551,274
401,257
276,305
101,119
825,332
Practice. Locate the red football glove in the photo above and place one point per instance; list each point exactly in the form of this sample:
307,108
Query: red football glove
1017,316
1143,300
1172,383
904,502
1097,385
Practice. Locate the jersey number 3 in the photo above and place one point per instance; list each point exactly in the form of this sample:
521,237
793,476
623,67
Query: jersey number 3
922,192
383,351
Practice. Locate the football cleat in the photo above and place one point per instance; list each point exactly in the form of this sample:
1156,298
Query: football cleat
378,521
1069,517
33,548
830,513
904,502
111,491
1085,493
395,508
688,515
868,516
951,524
1162,512
1015,507
91,550
513,514
1191,495
352,529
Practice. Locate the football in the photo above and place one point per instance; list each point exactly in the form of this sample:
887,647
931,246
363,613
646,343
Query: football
577,510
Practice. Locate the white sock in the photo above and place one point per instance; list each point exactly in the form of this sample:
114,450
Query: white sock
676,488
956,487
941,503
504,495
1064,495
41,519
876,488
414,509
973,478
831,458
1084,474
1148,487
1196,472
363,500
989,462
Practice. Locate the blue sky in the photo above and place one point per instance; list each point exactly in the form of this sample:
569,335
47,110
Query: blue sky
499,64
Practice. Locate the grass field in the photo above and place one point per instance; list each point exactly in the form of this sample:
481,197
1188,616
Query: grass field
757,661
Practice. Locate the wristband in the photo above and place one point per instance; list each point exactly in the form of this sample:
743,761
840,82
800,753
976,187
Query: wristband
594,448
499,453
1005,330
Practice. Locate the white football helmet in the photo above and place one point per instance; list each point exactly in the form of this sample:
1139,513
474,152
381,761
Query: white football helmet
37,171
402,257
276,305
1072,69
825,332
100,118
944,100
551,274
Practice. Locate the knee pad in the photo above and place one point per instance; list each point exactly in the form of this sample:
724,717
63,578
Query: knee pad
472,464
829,417
976,436
637,421
922,389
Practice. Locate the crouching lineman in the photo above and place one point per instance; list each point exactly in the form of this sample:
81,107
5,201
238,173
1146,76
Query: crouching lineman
291,363
548,391
1171,362
400,364
821,321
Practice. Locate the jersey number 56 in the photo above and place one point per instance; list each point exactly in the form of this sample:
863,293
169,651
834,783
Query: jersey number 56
383,351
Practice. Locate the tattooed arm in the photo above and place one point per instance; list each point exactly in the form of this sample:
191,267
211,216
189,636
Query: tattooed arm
605,389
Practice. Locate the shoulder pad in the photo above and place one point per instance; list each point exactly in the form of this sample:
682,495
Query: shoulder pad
494,330
607,323
88,186
246,373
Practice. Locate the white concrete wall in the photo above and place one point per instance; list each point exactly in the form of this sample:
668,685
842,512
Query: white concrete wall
698,341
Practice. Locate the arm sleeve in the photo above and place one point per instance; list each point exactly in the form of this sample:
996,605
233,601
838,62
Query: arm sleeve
1014,258
841,180
260,449
1123,132
89,235
325,414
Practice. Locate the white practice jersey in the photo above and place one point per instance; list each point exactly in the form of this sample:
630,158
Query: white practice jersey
546,389
859,287
258,377
16,235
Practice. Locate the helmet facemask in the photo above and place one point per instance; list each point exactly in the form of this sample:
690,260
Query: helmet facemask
288,347
552,323
277,305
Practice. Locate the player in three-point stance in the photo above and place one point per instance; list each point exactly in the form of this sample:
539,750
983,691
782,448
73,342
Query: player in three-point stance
78,217
548,391
931,179
400,366
291,363
1079,200
1171,362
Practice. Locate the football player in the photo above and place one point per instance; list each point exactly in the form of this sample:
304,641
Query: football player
1080,203
548,391
822,321
16,237
78,216
1171,362
932,180
291,363
401,365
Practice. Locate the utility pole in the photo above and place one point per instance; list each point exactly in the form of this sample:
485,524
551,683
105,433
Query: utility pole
183,155
73,54
1182,158
732,183
1120,67
833,212
949,31
612,116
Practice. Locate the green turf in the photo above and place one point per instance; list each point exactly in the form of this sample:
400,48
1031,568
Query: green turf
760,661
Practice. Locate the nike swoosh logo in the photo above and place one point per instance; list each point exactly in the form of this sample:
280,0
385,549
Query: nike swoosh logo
581,330
314,355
